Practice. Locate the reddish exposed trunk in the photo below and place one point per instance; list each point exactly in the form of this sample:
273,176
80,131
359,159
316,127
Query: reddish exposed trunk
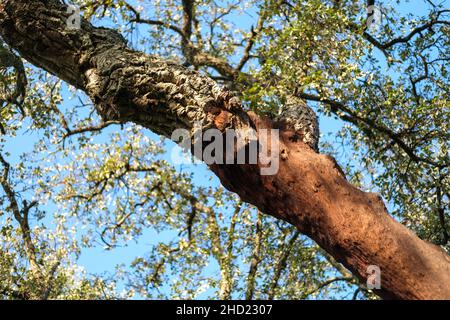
309,190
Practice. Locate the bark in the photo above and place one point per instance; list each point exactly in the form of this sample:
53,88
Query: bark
309,190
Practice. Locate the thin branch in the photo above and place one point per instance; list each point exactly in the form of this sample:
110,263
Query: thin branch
281,264
355,294
9,59
441,210
256,257
188,13
351,116
254,32
90,128
137,19
21,216
407,38
326,284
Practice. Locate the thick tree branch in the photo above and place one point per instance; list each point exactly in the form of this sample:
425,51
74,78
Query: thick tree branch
308,191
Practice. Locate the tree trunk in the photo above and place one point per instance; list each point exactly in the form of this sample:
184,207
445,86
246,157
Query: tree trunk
309,190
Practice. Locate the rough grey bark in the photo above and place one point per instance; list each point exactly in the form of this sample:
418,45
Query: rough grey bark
124,85
309,191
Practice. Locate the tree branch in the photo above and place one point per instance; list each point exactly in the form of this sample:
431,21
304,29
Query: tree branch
255,259
308,190
21,216
281,264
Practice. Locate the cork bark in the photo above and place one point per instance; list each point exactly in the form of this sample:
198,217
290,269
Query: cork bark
309,190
